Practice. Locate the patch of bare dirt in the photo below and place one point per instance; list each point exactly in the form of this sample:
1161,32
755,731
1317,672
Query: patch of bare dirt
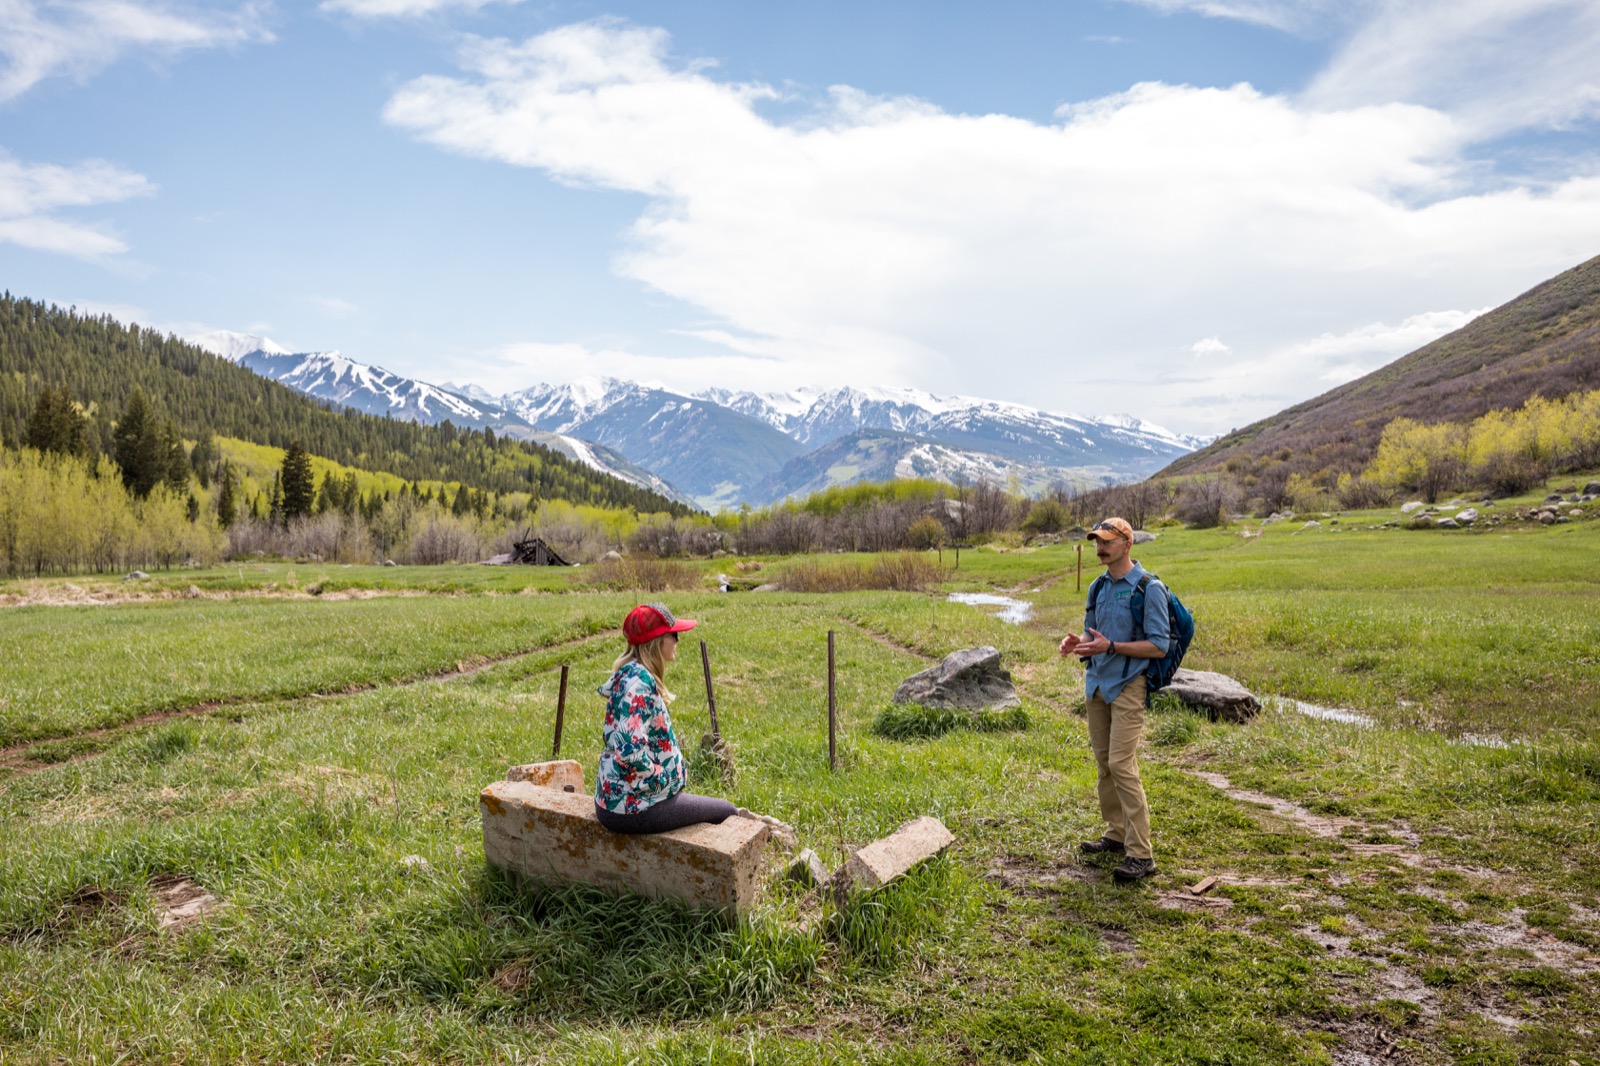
68,594
181,902
1032,879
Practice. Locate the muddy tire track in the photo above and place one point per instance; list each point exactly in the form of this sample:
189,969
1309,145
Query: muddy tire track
16,759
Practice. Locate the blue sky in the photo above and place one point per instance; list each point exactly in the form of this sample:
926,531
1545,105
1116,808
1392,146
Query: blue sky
1194,211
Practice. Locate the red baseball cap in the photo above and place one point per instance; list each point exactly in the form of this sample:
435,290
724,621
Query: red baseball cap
648,621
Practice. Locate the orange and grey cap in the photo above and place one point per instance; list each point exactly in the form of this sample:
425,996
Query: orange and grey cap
1112,529
648,621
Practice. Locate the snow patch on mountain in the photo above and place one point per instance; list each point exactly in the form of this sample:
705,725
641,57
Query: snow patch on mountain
235,346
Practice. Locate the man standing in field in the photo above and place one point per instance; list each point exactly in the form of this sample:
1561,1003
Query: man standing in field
1116,647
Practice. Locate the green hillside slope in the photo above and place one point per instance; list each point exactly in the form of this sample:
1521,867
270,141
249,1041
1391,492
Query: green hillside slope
1546,341
103,361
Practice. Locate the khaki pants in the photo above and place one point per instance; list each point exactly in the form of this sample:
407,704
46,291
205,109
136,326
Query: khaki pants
1114,730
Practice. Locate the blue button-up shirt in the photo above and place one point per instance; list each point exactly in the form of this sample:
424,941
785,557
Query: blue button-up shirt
1111,613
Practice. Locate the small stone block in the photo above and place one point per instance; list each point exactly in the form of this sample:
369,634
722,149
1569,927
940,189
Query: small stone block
548,835
807,869
884,860
1200,888
558,774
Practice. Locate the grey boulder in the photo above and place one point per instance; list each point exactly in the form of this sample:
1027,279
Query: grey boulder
971,679
1142,537
1219,695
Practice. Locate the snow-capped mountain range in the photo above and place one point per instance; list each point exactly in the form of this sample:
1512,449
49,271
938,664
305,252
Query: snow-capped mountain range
719,447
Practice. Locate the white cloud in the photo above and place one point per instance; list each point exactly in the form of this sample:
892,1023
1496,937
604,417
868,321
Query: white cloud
516,366
1210,346
884,240
1291,15
31,193
1498,65
78,38
404,8
336,307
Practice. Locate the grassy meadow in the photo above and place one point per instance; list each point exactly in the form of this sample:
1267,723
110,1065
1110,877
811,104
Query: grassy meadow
306,743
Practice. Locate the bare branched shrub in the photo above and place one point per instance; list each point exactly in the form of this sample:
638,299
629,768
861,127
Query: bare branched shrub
1206,502
332,536
647,575
659,535
444,538
786,531
255,536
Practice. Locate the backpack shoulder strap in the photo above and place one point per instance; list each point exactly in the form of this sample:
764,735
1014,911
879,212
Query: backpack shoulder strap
1138,604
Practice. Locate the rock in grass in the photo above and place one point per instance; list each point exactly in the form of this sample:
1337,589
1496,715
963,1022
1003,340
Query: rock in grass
1219,695
970,679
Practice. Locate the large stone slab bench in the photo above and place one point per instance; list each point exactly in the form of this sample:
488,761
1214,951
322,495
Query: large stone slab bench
535,828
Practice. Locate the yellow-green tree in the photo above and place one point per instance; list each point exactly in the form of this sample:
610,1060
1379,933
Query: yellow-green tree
1422,457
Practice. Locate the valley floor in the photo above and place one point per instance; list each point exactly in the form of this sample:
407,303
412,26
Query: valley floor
281,763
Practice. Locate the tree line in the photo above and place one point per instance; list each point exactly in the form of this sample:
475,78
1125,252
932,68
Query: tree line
98,364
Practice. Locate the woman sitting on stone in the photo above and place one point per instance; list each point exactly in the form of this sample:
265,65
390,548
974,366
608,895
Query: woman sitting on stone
640,786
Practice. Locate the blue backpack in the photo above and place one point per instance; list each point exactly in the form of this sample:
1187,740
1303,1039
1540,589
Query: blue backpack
1180,627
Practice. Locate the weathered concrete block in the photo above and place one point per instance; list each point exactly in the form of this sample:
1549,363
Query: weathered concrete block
550,835
884,860
807,869
557,775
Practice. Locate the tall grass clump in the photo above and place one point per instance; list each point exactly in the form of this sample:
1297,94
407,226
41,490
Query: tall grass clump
650,575
912,721
882,928
901,572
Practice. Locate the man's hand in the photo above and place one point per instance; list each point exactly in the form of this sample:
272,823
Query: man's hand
1087,646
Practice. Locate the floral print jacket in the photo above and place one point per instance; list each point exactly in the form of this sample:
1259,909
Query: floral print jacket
641,764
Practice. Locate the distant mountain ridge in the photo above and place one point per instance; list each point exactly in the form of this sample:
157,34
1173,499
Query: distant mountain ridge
1546,342
721,447
104,363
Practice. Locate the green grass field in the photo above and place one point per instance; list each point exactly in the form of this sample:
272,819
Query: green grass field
1425,893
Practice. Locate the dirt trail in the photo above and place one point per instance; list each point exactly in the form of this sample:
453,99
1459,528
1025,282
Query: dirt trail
15,759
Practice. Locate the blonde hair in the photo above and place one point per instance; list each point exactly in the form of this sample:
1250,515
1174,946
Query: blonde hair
652,656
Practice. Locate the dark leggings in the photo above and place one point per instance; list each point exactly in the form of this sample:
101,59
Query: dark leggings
674,812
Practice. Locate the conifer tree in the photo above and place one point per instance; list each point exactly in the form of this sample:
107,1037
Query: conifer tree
140,446
203,456
275,507
227,506
57,425
298,483
175,469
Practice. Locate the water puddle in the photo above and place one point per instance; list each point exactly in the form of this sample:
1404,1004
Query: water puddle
1014,611
1327,714
1366,721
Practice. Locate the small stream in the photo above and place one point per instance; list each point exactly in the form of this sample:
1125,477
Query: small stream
1014,611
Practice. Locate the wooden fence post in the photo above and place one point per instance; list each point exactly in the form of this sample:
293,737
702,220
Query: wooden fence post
711,696
561,713
833,715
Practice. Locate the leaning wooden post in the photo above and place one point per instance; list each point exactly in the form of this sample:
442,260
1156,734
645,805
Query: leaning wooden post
711,697
833,714
561,713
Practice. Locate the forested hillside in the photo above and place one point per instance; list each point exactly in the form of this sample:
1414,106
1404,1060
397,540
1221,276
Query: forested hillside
1545,342
102,362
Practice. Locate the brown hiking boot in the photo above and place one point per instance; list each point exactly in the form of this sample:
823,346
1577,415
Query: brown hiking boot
1132,869
1103,846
